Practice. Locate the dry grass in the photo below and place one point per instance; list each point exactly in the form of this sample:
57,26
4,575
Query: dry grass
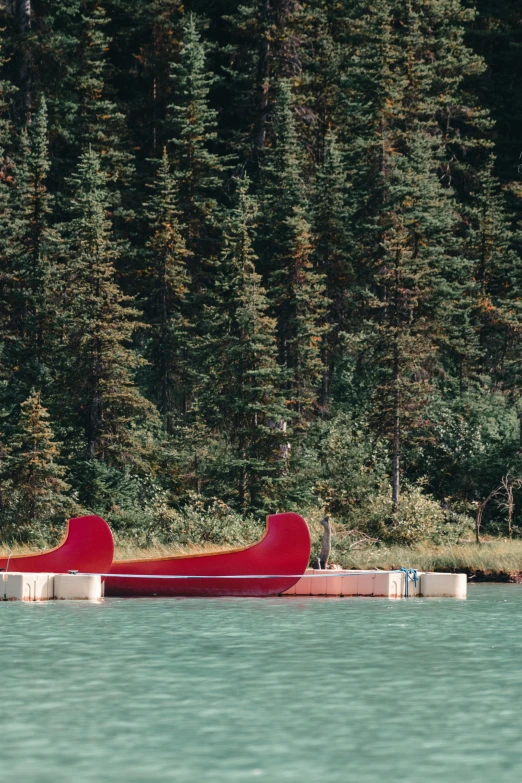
492,557
5,550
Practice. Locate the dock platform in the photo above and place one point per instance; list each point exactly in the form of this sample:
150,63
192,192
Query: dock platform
379,584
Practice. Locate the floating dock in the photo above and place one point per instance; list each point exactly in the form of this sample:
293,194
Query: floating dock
406,583
18,586
380,584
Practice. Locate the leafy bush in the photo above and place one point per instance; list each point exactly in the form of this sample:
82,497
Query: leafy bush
418,517
200,522
353,468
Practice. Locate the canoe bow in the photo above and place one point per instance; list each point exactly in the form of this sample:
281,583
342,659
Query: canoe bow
87,546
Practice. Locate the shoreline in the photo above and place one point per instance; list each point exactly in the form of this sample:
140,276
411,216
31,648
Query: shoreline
495,560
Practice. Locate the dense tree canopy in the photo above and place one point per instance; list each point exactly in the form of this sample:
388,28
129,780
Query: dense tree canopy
263,252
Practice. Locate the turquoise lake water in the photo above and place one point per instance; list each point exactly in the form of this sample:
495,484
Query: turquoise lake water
297,690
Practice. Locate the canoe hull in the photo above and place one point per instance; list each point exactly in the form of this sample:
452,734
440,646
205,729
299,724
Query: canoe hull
283,552
88,546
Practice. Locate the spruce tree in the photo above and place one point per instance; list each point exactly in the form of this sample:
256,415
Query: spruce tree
37,240
197,167
403,76
492,246
21,19
332,249
266,42
296,288
98,325
33,481
146,37
99,121
242,396
408,324
494,33
168,339
28,265
494,249
7,326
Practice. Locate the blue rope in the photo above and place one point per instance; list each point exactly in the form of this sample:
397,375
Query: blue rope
409,573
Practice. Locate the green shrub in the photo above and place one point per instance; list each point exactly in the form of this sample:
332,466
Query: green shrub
417,519
199,523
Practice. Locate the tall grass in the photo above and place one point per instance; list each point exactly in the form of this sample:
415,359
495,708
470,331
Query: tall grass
502,557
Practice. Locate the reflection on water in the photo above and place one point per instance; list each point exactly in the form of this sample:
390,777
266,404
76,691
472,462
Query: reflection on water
297,690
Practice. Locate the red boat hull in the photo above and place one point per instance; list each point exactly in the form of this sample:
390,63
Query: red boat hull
283,552
87,546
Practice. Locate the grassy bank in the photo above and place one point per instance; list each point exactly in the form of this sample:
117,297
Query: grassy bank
497,559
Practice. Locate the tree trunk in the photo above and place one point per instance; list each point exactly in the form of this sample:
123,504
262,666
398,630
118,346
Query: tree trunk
243,481
478,520
396,466
263,76
396,429
326,544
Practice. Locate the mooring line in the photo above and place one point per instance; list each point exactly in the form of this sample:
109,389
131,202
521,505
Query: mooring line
410,573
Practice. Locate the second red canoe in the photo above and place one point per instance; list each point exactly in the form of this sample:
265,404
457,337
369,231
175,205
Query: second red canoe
269,567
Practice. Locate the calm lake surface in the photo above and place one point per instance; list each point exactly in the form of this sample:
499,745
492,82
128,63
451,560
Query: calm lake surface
298,690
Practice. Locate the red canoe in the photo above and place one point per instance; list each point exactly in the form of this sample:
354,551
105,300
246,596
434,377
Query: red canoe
283,552
87,546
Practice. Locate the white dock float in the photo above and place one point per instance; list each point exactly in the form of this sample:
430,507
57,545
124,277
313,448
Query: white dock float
444,585
18,586
78,587
379,584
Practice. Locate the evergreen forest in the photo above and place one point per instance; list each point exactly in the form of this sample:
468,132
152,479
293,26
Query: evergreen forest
261,255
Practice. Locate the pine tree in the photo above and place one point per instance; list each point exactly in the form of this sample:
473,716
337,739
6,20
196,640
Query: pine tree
98,327
166,22
324,65
7,219
36,490
242,396
169,336
296,289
